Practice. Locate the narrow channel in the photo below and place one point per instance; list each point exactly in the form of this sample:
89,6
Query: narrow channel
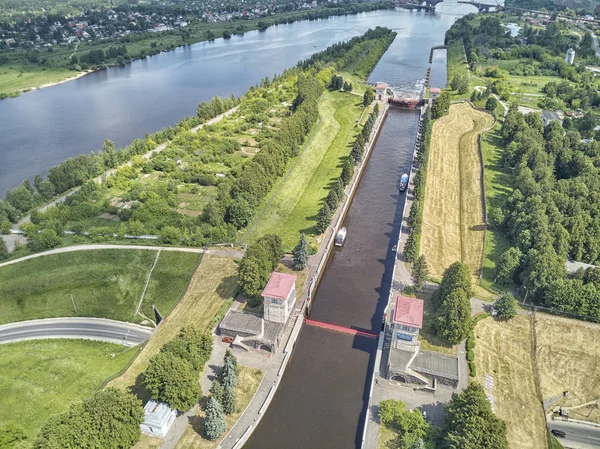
322,398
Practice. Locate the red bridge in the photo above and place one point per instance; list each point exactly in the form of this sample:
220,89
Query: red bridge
335,327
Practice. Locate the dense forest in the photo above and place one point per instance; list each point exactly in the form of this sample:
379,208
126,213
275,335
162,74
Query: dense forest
206,184
552,214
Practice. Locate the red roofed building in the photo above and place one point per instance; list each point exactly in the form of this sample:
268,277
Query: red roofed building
407,319
279,297
381,91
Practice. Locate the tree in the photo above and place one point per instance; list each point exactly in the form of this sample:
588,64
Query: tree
10,434
420,272
323,218
173,380
347,171
228,376
170,235
240,213
300,254
229,401
441,105
456,276
109,419
230,358
453,318
191,344
507,265
368,97
332,199
408,424
49,238
491,104
470,422
3,252
217,390
214,423
506,306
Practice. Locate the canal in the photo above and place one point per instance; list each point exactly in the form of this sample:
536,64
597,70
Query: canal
324,392
42,128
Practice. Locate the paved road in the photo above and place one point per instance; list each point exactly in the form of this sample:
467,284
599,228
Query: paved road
579,436
68,249
127,334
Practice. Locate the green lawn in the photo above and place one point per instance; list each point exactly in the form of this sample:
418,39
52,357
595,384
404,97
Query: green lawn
41,378
104,283
497,189
294,208
15,78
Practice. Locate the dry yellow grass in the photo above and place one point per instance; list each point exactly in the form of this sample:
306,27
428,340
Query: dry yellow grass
568,355
148,442
248,381
453,210
210,288
503,351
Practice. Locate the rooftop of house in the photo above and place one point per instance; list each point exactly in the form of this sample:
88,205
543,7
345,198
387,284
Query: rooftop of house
435,90
157,413
409,311
242,322
279,286
550,115
381,86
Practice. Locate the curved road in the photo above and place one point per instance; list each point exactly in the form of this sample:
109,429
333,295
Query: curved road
110,331
578,436
68,249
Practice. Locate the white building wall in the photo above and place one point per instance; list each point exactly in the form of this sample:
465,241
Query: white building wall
278,310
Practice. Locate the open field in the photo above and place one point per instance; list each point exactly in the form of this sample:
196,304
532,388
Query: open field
248,382
41,378
294,208
208,294
568,356
503,351
453,210
105,283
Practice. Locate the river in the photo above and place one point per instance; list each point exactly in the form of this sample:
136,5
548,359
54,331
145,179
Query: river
44,127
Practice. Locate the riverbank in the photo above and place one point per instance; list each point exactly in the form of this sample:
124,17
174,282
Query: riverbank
22,76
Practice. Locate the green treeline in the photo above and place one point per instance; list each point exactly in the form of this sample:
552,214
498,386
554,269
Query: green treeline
337,191
226,169
551,214
415,217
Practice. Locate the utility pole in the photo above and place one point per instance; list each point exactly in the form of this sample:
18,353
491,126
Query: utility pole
73,301
526,293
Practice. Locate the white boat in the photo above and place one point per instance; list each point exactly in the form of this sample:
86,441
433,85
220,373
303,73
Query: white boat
340,237
403,182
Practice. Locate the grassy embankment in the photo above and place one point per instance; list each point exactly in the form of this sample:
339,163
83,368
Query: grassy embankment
41,378
103,283
18,75
453,210
206,300
295,204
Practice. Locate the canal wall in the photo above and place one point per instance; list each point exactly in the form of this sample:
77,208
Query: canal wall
307,291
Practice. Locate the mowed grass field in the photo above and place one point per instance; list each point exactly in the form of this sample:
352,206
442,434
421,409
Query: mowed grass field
41,378
248,381
294,207
568,355
503,351
209,293
105,283
453,225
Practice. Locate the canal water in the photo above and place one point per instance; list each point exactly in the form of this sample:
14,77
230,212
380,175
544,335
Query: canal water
41,128
324,392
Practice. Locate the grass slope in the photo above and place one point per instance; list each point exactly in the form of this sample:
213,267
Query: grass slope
504,352
453,210
209,294
41,378
104,283
294,207
248,381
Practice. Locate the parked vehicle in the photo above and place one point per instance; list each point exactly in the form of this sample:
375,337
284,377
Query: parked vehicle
558,433
403,182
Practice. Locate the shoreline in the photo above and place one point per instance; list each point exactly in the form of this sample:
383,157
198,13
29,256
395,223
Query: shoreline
15,94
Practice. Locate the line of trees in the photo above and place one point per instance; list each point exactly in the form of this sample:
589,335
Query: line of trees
337,191
172,374
223,400
415,217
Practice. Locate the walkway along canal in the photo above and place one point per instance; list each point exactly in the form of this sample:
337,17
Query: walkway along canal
321,401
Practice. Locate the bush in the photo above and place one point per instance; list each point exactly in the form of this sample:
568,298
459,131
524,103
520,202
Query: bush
472,369
470,355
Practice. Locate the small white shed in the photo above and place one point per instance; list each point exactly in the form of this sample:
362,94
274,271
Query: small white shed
158,418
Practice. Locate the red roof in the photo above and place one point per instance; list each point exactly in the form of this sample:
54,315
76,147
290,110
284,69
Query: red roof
409,311
381,86
279,286
435,90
